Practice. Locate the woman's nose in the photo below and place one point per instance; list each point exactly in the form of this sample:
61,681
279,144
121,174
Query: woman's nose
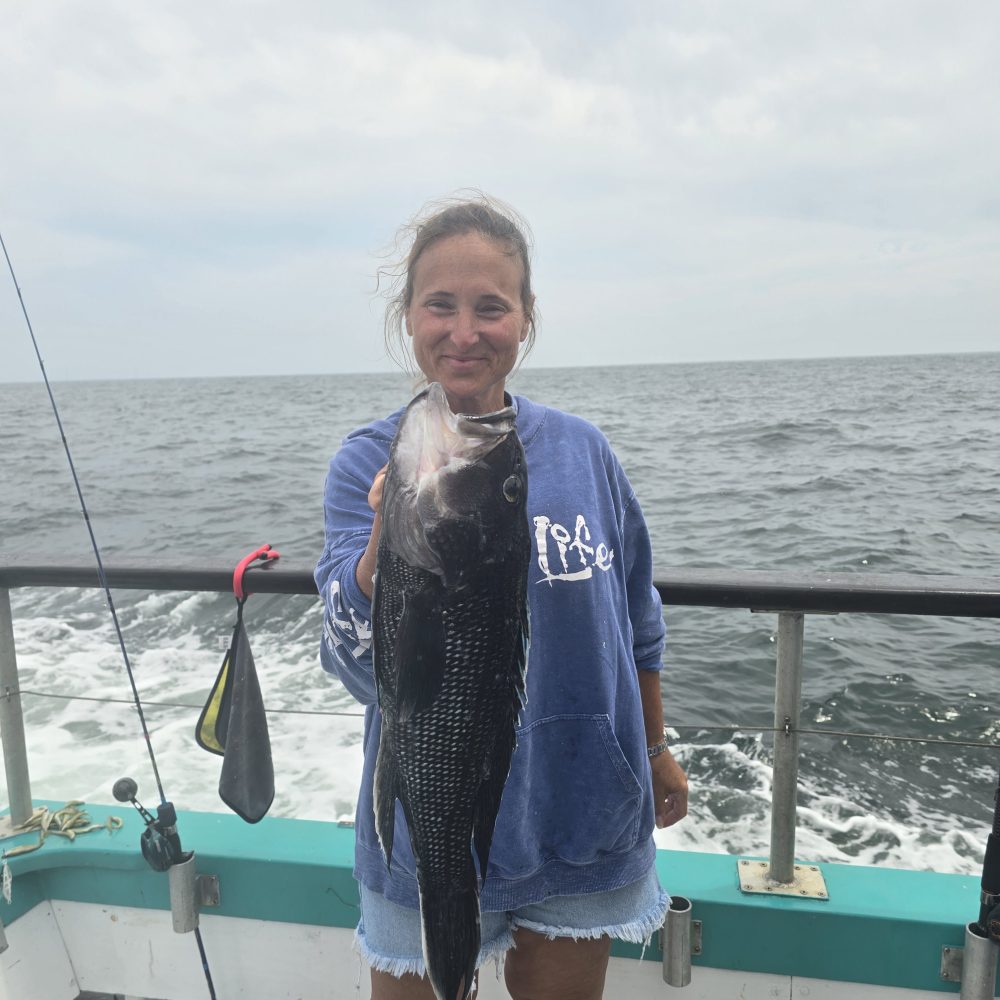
464,332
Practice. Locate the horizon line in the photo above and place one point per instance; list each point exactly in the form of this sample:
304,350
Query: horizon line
528,368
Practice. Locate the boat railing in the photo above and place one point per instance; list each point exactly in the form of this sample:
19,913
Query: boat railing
790,596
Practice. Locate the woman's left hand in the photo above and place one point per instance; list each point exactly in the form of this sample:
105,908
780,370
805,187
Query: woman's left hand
670,789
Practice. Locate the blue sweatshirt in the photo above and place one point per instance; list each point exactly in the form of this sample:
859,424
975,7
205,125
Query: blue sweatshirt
577,810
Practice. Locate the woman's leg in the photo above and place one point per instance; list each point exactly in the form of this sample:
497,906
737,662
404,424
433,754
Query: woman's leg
562,944
408,987
543,968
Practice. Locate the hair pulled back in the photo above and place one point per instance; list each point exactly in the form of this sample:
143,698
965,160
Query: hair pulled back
458,215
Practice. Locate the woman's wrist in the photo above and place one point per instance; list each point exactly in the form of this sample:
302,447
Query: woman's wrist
661,746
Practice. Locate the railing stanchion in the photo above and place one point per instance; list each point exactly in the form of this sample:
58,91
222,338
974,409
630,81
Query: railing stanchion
15,755
787,702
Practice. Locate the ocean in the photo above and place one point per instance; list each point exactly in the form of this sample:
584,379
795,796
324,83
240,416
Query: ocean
848,465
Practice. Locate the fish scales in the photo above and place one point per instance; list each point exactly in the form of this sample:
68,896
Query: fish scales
450,629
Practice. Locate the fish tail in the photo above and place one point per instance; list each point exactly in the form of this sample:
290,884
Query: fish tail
450,925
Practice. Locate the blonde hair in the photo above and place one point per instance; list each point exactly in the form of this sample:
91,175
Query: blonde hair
462,213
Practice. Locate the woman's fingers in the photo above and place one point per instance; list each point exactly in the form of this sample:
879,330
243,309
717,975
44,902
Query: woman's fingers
375,493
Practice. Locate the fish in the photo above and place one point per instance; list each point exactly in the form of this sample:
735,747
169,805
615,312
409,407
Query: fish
450,636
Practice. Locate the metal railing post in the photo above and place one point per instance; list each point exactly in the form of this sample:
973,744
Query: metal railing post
787,703
15,755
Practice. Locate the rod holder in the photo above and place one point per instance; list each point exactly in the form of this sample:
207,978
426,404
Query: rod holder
677,942
184,895
979,965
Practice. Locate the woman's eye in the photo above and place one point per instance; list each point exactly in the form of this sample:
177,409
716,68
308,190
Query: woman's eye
492,312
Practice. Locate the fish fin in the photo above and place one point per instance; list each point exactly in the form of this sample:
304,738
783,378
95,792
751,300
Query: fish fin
451,935
386,792
521,663
484,816
419,654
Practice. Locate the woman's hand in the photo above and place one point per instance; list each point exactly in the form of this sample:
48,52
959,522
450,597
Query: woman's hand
670,789
366,564
375,493
670,784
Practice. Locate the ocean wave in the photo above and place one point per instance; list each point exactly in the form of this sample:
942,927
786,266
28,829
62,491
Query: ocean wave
850,465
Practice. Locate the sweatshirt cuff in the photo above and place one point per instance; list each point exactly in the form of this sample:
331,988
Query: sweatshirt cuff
649,659
352,595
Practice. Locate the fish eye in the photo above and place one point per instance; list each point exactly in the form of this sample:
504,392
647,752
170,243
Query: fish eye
512,489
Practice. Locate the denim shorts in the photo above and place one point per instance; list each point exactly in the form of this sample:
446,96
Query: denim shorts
388,935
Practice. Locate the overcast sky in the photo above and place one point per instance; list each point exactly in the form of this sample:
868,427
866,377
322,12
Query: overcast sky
203,189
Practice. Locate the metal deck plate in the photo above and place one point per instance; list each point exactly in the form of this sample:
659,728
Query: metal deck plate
952,960
808,882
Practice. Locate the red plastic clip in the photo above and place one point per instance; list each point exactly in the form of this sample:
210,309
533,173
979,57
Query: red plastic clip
265,554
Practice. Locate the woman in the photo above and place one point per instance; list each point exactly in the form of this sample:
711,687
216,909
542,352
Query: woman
572,863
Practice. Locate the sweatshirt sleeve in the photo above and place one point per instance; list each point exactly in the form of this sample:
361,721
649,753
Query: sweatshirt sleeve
345,648
645,609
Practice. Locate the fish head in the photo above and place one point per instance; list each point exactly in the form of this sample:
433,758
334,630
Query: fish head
456,488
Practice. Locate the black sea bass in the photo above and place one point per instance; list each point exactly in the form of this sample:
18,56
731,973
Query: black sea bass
450,617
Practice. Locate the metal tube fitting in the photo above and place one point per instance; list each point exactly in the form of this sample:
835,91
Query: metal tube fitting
979,965
677,942
184,897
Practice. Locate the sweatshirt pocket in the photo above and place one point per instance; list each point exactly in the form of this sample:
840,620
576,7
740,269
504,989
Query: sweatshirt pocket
572,796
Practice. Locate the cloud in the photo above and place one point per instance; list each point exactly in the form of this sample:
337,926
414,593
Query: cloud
191,172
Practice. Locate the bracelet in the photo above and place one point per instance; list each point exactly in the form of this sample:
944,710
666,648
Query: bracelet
658,748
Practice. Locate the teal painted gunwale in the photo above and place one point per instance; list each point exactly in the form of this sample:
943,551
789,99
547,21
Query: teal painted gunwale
880,925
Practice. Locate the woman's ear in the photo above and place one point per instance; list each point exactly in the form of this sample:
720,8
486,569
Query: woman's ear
527,321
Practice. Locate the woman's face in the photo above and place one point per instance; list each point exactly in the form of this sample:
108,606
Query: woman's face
466,319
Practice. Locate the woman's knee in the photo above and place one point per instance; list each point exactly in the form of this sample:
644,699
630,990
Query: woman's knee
543,968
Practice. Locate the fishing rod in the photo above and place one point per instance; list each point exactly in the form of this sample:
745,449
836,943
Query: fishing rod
978,966
160,843
989,900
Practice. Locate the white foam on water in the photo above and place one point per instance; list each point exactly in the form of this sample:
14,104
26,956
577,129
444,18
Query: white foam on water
831,828
78,749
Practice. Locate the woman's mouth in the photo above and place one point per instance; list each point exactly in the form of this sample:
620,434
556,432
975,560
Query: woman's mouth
460,362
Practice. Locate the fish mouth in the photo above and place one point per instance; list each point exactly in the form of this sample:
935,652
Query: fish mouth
433,444
434,438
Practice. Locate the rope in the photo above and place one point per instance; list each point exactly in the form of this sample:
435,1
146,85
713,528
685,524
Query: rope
874,737
178,704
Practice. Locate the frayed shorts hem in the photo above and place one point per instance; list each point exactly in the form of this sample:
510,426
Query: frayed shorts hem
388,936
401,965
638,931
